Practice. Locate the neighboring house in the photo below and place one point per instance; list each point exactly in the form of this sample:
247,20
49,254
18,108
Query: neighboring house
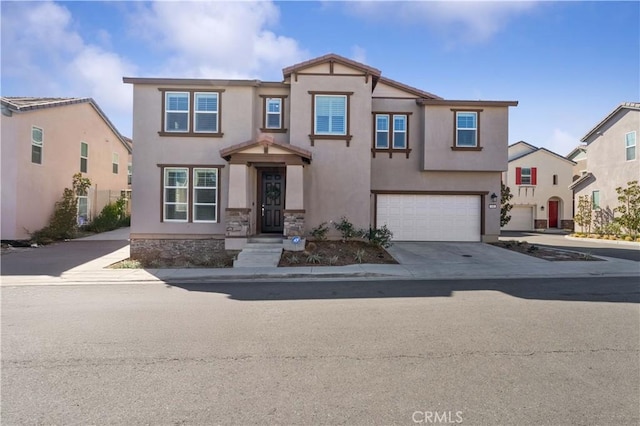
539,180
612,159
223,160
45,141
579,156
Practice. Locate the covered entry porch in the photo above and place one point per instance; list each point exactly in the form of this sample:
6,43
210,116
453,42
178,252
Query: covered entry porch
266,190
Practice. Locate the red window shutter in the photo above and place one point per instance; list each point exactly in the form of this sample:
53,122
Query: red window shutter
533,176
518,175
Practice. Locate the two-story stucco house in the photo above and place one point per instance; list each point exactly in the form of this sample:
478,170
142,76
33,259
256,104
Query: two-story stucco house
45,141
219,161
612,158
539,181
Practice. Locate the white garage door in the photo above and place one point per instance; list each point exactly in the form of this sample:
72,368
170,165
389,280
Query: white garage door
430,217
521,219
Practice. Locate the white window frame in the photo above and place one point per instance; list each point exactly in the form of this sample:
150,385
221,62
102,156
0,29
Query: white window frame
459,129
396,131
627,146
594,205
386,131
129,173
330,132
79,220
196,112
37,144
528,176
270,113
167,111
183,204
84,157
115,163
194,196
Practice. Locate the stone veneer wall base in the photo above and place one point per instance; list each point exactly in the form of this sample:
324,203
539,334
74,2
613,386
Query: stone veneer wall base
150,252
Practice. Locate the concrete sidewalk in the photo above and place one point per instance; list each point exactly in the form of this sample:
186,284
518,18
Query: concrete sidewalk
428,261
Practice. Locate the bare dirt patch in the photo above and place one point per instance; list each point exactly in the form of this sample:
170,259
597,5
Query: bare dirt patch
545,253
336,253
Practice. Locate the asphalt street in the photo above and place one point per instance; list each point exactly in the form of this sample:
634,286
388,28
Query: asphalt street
506,352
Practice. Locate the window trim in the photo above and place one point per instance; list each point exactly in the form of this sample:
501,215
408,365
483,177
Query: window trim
190,171
595,206
634,146
78,198
191,113
528,176
35,144
86,157
265,100
455,146
115,165
193,194
390,133
313,136
196,112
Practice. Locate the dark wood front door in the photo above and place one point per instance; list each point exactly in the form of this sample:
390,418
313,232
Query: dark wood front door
553,214
272,201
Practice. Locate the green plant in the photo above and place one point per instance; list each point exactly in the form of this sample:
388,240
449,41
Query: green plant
505,206
359,256
127,264
629,209
583,216
346,228
111,217
379,237
333,260
314,258
319,233
293,259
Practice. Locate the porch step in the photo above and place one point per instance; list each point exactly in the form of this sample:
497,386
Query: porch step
259,255
276,239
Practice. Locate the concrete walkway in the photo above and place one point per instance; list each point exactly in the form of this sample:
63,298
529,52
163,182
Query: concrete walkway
428,261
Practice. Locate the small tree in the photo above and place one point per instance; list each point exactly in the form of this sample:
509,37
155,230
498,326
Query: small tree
629,208
505,206
583,216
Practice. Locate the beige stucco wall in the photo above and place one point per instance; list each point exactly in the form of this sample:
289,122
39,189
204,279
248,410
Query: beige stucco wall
30,191
606,158
439,138
337,182
537,196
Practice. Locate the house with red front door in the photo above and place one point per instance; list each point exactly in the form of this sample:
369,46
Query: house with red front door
218,162
539,180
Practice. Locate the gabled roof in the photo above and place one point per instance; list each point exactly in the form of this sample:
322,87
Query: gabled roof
536,150
331,57
265,141
407,88
523,143
577,150
25,104
585,177
625,105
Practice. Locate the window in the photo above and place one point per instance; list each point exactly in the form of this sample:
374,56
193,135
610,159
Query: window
191,113
176,112
466,129
205,195
391,133
630,145
190,200
176,192
273,119
526,175
595,200
84,157
206,114
331,115
115,162
129,173
555,179
37,138
83,210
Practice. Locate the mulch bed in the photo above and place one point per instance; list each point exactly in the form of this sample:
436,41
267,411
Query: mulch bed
545,253
336,253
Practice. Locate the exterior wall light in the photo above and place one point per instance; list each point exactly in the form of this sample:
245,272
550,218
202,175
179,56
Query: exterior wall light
494,197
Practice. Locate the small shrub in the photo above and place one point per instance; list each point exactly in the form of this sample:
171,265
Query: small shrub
111,217
379,237
293,259
346,228
333,260
127,264
628,238
319,233
359,256
311,247
314,258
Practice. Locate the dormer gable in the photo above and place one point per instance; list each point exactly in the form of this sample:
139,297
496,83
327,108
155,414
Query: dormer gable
519,149
331,64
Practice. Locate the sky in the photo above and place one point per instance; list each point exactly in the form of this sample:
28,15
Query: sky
567,63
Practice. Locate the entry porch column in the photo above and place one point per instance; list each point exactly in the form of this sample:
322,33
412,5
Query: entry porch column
294,202
238,213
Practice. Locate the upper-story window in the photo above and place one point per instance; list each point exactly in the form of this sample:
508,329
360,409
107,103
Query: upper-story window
273,113
191,113
391,133
115,163
526,176
630,145
37,140
595,200
84,157
466,131
330,116
129,173
555,179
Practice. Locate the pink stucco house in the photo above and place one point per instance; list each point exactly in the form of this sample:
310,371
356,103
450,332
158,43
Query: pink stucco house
220,161
45,141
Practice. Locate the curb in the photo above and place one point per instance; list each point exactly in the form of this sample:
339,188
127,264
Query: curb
597,240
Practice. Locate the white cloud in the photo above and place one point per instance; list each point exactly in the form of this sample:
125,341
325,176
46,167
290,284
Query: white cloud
562,142
461,22
359,54
218,39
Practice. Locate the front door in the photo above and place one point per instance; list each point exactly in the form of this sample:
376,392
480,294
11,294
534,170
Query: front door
553,214
272,201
